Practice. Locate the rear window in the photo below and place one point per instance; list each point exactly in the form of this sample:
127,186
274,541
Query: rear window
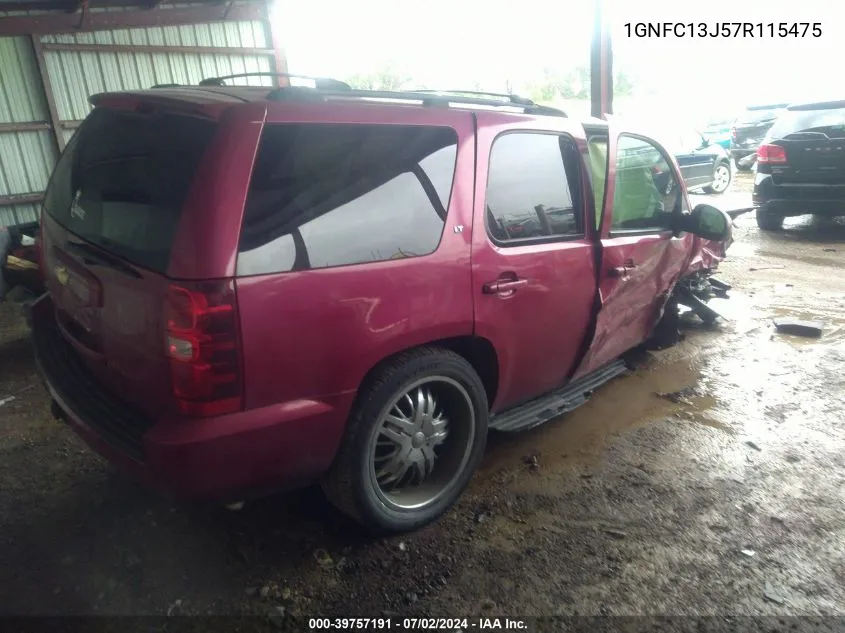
325,195
122,181
829,120
750,117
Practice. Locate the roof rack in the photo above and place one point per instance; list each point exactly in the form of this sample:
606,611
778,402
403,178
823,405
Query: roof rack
320,83
511,98
427,98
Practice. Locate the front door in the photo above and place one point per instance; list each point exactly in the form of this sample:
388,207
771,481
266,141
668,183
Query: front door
641,258
533,275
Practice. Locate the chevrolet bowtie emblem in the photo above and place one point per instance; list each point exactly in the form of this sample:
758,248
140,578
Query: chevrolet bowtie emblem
61,275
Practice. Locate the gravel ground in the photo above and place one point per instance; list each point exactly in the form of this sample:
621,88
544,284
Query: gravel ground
723,499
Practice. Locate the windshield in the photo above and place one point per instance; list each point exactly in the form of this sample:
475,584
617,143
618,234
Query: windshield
830,121
122,181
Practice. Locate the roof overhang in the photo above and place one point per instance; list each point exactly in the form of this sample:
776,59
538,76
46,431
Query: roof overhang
25,17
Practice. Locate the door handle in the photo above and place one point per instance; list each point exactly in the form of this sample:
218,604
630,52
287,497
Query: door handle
622,271
503,286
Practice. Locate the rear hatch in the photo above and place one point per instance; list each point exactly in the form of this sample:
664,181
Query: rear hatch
112,211
813,139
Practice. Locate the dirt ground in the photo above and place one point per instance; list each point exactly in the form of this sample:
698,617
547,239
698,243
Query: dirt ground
726,499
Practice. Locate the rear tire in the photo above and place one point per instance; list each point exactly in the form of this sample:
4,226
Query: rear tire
415,437
768,221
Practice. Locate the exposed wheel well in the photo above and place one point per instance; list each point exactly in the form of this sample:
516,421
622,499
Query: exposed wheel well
477,351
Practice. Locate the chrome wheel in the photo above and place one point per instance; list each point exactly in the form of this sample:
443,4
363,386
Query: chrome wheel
721,178
422,443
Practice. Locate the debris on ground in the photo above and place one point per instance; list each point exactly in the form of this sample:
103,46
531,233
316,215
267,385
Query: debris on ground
753,445
531,461
618,534
6,400
770,594
323,558
797,327
679,397
277,615
173,608
755,269
402,546
829,250
748,552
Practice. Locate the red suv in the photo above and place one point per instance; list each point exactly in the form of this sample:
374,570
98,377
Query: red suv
252,288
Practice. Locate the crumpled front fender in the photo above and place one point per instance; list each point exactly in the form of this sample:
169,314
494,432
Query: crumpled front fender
706,254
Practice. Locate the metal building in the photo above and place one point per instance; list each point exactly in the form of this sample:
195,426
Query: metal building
54,54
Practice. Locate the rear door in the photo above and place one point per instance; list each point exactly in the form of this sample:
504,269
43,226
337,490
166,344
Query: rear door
111,215
696,166
533,275
640,258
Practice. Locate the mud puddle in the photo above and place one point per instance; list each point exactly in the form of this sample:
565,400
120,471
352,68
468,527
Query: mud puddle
665,384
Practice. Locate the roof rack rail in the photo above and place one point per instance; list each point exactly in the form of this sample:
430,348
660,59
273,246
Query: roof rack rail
511,98
425,97
320,83
168,86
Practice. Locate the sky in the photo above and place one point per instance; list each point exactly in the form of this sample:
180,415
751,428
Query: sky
460,43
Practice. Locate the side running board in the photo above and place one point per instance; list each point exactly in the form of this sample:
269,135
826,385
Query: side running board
573,395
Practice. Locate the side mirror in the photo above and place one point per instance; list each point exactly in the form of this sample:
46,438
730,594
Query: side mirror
707,222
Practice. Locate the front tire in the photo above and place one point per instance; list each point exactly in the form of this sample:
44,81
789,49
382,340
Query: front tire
768,221
722,176
414,439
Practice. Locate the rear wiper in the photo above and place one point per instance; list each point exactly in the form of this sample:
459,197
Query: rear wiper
91,256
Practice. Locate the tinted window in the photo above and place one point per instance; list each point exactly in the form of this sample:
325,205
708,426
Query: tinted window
597,147
532,188
646,191
329,195
122,181
830,121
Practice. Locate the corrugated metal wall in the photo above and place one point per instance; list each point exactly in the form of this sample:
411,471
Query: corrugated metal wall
77,75
27,157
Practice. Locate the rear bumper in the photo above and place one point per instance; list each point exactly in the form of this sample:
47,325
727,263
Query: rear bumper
793,199
224,458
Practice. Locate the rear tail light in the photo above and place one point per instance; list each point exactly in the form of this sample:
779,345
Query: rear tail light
771,154
204,348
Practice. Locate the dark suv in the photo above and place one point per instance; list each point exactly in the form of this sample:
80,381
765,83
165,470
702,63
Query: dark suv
801,164
250,289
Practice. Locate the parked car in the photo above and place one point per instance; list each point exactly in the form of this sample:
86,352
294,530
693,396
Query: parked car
704,165
801,164
251,290
719,133
749,130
